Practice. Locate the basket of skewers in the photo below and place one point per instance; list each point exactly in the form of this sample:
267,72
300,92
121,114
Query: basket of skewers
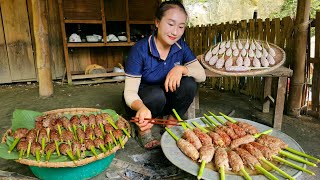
65,143
243,57
216,147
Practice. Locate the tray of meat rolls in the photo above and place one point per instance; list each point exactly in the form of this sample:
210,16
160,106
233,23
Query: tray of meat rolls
243,57
68,137
217,148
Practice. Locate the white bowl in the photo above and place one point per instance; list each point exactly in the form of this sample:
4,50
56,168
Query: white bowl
122,38
92,38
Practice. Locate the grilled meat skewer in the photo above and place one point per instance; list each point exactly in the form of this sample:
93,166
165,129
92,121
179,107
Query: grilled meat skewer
92,120
22,147
31,137
18,134
191,137
90,146
76,146
65,149
84,121
50,148
99,143
35,150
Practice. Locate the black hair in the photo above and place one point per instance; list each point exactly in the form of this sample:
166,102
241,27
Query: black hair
166,5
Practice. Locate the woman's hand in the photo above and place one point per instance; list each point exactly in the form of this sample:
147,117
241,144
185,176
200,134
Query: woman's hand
142,113
174,77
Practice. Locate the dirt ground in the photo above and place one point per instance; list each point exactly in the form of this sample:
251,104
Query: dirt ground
305,130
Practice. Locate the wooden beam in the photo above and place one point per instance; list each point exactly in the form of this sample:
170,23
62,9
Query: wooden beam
299,61
40,27
316,71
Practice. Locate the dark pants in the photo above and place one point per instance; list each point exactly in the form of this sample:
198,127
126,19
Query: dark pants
161,103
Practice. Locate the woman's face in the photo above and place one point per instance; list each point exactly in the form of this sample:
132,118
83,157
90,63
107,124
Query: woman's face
171,26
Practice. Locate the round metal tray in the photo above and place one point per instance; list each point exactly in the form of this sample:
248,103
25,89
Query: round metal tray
173,153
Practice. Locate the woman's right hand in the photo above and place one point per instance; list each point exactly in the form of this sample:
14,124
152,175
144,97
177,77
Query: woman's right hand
142,113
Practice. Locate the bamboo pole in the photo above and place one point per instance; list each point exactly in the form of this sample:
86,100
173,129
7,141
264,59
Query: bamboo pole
40,27
299,61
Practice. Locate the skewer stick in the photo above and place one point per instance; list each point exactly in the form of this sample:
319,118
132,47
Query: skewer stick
15,142
112,123
277,169
207,122
126,132
113,138
222,173
57,148
210,120
216,117
200,127
302,154
287,148
245,174
21,153
297,158
183,124
48,155
293,165
265,172
203,164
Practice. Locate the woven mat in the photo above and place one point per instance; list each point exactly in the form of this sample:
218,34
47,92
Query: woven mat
81,162
279,60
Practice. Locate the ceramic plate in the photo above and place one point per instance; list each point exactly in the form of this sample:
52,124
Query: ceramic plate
173,153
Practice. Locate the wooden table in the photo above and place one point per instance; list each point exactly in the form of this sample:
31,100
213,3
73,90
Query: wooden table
281,73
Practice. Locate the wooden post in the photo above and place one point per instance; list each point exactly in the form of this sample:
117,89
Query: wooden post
299,61
40,27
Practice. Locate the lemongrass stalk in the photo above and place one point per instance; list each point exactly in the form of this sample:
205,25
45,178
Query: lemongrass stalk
172,134
37,155
43,144
222,173
126,132
211,120
245,174
183,124
48,155
297,158
69,143
48,132
81,140
69,128
302,154
277,158
265,172
112,123
113,138
109,146
216,117
78,153
228,118
93,150
28,149
277,169
102,129
264,132
203,164
21,153
102,148
187,125
207,122
57,148
200,127
84,128
70,155
59,130
121,143
15,142
75,131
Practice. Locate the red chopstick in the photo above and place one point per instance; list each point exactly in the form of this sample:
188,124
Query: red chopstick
156,119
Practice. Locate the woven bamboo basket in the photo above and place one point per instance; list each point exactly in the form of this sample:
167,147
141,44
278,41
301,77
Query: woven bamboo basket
76,163
279,60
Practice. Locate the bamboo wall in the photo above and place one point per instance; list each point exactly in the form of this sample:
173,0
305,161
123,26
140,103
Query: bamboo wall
277,31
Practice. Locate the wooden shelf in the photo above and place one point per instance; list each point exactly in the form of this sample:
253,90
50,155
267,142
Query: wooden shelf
77,21
113,16
86,76
98,44
120,44
141,22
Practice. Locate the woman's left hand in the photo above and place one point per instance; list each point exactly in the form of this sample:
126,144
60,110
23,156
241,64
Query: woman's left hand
173,78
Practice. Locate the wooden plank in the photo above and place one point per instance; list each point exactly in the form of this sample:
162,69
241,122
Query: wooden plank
273,33
278,112
43,58
316,71
260,30
86,76
55,41
79,59
267,29
251,28
5,76
18,39
277,31
243,31
266,93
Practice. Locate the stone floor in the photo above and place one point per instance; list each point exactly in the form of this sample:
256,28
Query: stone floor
133,162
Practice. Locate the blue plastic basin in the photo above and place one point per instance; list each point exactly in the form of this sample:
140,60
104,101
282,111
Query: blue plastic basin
67,173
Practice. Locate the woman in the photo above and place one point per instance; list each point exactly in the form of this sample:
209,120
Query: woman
161,72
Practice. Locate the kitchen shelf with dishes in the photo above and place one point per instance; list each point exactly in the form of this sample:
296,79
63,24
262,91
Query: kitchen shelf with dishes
101,32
